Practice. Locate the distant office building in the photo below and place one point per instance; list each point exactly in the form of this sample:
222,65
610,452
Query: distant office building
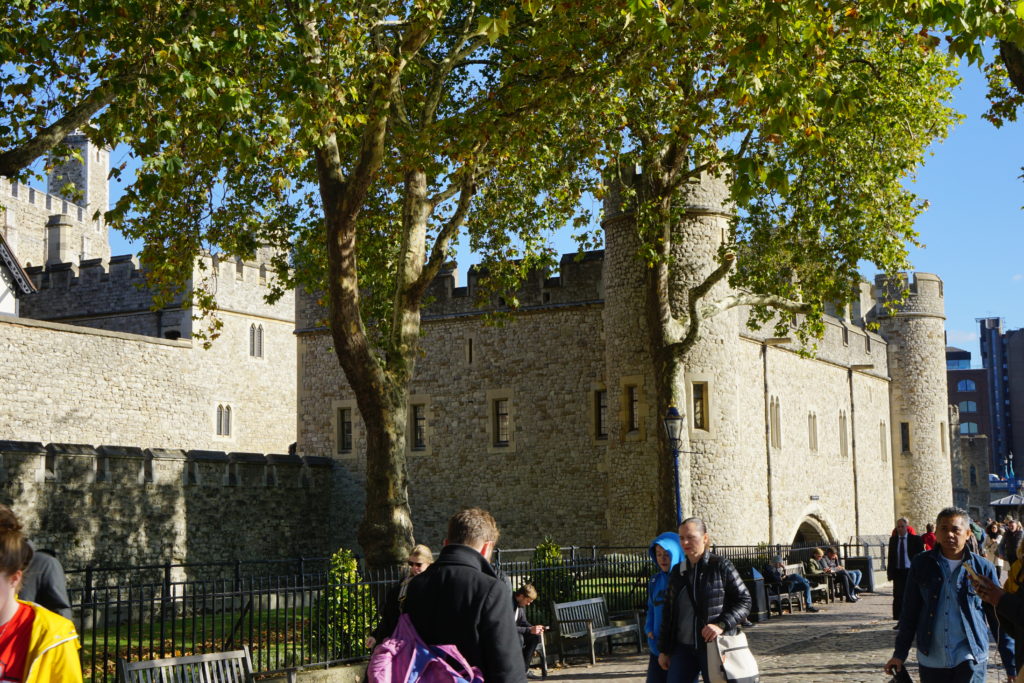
1002,355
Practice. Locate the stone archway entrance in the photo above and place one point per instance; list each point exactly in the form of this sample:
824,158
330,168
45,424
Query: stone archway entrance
811,532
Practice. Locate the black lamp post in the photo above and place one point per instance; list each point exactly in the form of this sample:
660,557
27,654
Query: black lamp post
674,430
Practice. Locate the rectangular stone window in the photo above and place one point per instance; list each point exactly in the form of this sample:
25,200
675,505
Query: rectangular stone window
419,426
601,414
846,336
344,430
147,470
700,405
633,408
774,423
867,342
883,440
904,437
942,437
50,466
844,436
102,468
812,432
500,417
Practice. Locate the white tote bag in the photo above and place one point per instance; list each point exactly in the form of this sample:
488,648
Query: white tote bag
730,660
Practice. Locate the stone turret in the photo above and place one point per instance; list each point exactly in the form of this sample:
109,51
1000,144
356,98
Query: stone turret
922,479
638,460
88,177
630,458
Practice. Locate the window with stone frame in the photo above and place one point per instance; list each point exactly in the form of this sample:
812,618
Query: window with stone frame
601,414
943,435
904,437
632,408
883,440
344,439
102,467
844,436
774,423
974,475
968,407
223,420
968,427
256,340
501,421
812,432
699,405
418,423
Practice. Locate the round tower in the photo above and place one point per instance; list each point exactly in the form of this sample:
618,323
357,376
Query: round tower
726,486
636,470
636,460
915,331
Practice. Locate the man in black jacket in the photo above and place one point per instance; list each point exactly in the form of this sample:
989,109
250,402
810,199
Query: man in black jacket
529,634
903,546
459,600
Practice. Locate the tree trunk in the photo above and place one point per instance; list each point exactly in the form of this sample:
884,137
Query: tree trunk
668,374
1013,58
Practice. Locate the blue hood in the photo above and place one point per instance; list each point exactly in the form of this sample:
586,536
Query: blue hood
669,541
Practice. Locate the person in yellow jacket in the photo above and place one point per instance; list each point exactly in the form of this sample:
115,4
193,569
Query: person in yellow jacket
36,645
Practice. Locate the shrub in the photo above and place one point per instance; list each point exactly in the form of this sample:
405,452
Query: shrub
553,580
345,611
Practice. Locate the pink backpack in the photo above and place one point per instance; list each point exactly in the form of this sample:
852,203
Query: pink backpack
405,658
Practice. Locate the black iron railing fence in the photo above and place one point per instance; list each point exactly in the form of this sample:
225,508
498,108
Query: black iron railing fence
300,618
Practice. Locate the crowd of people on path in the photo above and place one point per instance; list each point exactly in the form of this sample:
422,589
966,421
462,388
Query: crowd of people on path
954,588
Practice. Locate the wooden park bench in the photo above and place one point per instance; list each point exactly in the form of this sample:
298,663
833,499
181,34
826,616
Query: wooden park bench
217,667
589,619
823,584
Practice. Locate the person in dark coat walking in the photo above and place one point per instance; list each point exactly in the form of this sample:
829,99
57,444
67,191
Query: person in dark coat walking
705,598
903,546
459,600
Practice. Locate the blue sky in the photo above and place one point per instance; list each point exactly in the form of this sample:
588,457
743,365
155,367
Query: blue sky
971,234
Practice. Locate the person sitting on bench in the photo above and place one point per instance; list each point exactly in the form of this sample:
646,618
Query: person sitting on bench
775,577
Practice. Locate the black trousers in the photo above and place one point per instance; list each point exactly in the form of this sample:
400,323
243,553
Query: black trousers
530,643
899,585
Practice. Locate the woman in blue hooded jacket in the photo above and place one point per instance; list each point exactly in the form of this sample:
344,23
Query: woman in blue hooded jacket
665,552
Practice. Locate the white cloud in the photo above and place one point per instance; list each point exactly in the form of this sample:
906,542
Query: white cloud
1018,276
954,337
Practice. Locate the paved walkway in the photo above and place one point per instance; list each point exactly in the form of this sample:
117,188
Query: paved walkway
843,643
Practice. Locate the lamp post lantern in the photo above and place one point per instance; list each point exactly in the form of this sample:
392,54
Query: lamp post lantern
674,431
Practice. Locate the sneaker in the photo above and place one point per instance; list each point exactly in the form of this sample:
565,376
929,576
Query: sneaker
533,675
852,599
812,609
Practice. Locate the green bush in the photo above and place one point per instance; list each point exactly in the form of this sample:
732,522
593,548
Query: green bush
552,579
345,611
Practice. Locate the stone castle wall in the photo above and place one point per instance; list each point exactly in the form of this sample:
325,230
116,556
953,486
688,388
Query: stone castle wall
65,383
24,214
112,505
552,465
561,480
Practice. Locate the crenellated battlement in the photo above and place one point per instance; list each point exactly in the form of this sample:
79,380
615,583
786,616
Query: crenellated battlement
11,191
579,280
83,465
925,295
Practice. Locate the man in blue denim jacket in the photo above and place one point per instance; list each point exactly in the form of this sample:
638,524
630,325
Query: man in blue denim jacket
942,610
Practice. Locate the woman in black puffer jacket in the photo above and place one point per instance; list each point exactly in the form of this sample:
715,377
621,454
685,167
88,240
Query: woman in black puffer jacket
705,598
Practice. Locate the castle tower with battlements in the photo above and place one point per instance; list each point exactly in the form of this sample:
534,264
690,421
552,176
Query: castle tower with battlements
922,479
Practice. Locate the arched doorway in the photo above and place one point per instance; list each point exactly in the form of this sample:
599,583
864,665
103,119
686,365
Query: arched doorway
811,532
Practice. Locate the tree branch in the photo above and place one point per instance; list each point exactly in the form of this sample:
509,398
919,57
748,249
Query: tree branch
438,254
745,299
694,297
27,151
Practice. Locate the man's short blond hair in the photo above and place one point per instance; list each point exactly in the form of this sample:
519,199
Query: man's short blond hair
527,591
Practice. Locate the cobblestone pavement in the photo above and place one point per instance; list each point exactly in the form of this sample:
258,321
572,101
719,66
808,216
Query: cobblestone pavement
843,643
